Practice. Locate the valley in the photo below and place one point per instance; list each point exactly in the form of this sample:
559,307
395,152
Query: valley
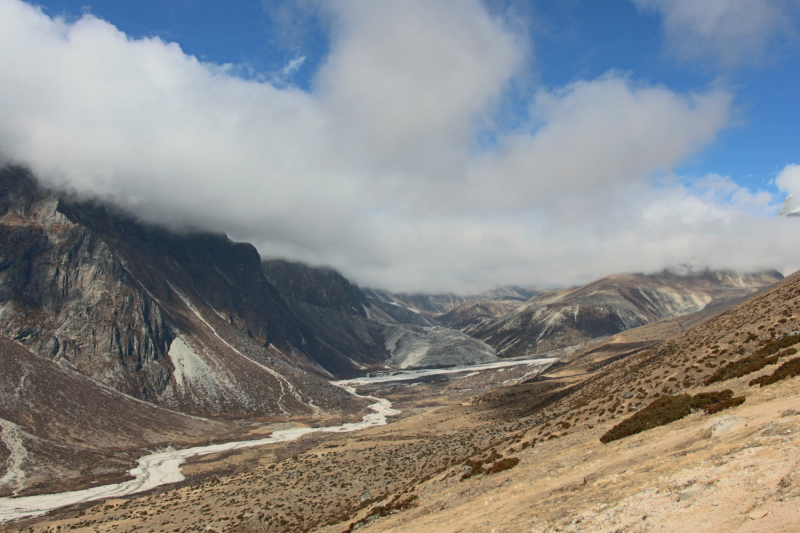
161,381
437,266
164,467
413,472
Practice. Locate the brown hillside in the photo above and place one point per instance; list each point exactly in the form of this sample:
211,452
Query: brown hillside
454,468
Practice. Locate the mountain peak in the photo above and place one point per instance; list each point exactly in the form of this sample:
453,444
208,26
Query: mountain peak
791,207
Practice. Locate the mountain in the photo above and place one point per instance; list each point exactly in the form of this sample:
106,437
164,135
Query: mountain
612,304
370,334
320,287
388,306
186,321
192,321
427,304
790,207
113,332
58,424
529,457
471,315
450,310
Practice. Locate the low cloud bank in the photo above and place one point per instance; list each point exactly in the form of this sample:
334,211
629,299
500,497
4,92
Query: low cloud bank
380,170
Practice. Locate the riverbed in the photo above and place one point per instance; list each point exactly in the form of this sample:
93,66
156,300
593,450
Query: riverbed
163,467
410,375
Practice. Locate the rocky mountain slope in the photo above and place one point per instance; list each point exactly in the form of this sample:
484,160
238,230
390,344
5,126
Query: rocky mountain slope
470,316
184,321
607,306
192,321
349,322
58,424
450,310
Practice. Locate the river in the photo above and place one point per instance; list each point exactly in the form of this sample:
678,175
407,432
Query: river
164,467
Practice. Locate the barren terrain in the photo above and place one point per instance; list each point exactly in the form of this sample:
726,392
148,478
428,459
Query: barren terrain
730,471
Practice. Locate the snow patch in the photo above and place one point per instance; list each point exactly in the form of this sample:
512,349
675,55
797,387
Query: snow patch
188,365
164,467
12,438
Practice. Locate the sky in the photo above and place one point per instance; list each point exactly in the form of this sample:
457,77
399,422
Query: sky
424,145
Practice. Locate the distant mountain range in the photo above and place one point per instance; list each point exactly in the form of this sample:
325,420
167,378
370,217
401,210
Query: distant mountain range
431,309
610,305
563,318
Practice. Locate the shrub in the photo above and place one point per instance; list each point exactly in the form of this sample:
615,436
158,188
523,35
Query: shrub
475,468
383,510
664,410
707,399
717,407
503,464
758,360
789,369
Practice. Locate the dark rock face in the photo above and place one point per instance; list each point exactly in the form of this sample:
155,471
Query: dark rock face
186,321
66,296
335,310
605,307
320,287
353,339
385,335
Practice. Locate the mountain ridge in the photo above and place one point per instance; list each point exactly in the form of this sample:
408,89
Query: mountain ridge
609,305
111,296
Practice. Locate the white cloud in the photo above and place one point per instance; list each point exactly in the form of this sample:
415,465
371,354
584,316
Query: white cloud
293,66
597,136
789,180
408,79
730,31
376,171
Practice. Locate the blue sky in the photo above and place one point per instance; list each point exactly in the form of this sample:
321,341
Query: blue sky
573,40
441,145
